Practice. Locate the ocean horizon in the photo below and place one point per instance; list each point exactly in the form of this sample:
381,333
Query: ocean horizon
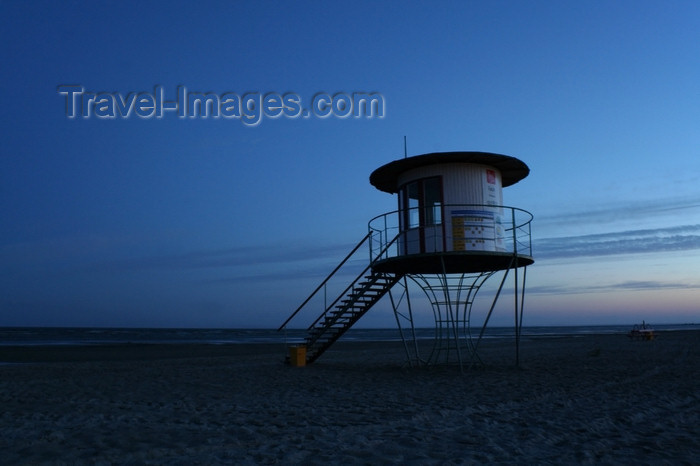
30,336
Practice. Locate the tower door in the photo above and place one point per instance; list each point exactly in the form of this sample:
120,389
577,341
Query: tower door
420,204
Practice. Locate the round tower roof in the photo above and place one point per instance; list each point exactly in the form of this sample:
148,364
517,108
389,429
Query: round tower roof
385,178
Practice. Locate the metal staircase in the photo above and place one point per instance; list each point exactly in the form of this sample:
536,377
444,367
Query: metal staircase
360,296
350,305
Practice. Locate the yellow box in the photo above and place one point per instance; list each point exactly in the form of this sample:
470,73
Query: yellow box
297,355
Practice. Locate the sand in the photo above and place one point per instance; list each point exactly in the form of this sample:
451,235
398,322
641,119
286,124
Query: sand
591,399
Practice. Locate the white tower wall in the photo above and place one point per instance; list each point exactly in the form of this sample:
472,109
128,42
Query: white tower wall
465,227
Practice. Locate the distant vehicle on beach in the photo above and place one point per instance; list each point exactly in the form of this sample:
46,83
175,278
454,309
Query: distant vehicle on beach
643,332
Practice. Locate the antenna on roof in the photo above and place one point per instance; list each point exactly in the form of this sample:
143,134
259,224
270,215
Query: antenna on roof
405,153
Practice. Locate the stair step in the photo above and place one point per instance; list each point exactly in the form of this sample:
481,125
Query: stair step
343,310
368,284
369,292
360,298
345,314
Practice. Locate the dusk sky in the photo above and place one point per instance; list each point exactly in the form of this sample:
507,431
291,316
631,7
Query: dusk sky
140,221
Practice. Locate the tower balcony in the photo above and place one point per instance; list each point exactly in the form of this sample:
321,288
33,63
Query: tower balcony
451,238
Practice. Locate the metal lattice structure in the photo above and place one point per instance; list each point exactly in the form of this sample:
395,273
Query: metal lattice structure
452,295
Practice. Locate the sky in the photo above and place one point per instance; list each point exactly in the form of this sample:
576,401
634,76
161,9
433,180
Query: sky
139,221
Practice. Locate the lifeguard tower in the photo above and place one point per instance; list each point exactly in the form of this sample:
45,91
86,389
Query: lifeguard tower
450,233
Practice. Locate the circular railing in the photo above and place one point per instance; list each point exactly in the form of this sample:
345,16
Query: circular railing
475,228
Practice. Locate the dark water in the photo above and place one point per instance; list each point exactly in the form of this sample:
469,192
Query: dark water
101,336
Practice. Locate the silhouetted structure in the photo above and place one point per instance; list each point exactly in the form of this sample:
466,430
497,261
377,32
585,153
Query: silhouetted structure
450,233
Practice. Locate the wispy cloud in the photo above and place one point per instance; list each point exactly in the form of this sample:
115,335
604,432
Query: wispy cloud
317,260
311,271
237,257
623,211
677,238
631,285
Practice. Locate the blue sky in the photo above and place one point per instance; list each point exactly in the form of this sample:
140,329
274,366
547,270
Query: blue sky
212,223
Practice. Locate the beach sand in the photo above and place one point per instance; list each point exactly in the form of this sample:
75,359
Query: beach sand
588,399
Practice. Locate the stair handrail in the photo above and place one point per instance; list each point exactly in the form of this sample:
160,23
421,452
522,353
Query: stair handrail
360,275
330,275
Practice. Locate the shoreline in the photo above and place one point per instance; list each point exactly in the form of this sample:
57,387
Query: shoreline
587,399
134,351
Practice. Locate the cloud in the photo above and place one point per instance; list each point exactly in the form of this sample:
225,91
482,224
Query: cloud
677,238
235,257
631,285
642,210
308,271
283,261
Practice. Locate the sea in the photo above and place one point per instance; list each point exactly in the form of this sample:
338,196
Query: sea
29,336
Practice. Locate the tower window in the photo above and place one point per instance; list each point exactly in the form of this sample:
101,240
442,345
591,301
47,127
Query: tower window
420,202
